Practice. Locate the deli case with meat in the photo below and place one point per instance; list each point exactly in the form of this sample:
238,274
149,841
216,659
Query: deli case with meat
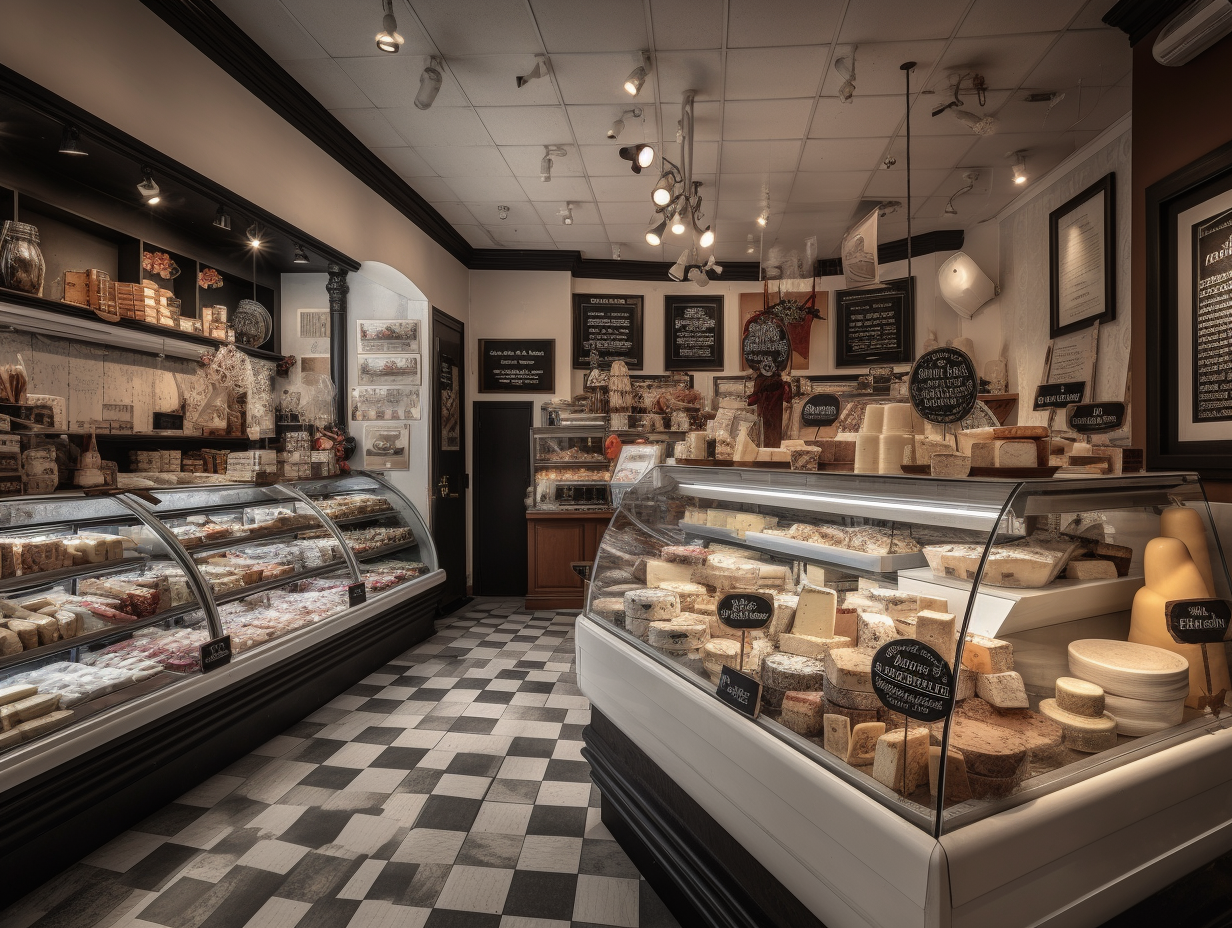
148,639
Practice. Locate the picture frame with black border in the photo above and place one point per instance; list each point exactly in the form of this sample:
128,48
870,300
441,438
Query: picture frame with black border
849,305
620,334
697,313
1071,312
536,375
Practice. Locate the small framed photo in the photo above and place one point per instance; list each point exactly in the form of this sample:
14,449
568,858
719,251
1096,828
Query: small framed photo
1082,259
379,370
386,447
387,336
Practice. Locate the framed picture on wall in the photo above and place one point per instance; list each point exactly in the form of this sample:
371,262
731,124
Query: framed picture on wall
609,325
1082,259
380,336
875,326
693,333
1188,322
517,365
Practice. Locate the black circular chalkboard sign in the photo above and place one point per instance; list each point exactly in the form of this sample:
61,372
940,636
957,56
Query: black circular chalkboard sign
911,678
943,385
766,346
820,409
745,610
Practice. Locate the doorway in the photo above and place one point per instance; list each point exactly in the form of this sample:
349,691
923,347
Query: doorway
501,458
449,477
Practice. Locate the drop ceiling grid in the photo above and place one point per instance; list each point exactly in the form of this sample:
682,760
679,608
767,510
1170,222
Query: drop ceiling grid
779,136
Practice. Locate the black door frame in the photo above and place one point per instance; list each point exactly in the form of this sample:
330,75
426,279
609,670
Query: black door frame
489,404
442,320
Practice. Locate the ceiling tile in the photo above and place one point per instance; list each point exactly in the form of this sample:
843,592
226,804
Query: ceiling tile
599,78
481,189
900,20
274,29
865,117
591,25
559,188
491,80
699,71
478,27
878,68
585,214
327,82
524,160
566,235
893,184
532,233
590,125
1109,105
614,213
831,210
627,188
1019,116
465,161
821,187
1097,57
1005,61
752,186
744,210
525,125
477,236
440,125
765,119
923,122
348,28
774,73
405,161
758,23
455,213
1044,149
393,80
842,154
1092,15
705,158
682,24
747,157
432,189
1007,17
520,212
633,233
370,126
932,151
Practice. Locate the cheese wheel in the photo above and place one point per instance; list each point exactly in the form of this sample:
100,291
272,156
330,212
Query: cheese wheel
802,712
992,787
1039,734
609,609
1082,732
1126,668
851,699
1137,717
677,636
792,672
689,593
850,669
1079,697
637,627
718,653
989,750
651,605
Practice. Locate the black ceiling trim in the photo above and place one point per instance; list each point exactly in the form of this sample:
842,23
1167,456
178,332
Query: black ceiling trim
229,47
1137,18
926,243
42,100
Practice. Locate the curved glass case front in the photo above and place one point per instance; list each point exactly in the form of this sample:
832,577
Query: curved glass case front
1045,598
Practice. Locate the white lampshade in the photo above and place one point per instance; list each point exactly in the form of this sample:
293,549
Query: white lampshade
965,287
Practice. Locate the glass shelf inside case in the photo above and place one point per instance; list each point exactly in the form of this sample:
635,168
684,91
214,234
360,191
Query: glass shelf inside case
1045,598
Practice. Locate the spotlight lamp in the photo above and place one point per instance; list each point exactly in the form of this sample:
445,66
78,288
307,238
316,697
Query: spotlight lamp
68,142
678,225
566,214
301,256
539,70
680,268
654,235
222,220
545,165
640,156
662,193
637,77
1020,167
429,83
707,238
254,234
388,40
148,188
619,125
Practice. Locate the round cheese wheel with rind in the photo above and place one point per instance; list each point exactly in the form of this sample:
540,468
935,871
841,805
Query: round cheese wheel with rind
1127,668
718,653
1136,717
851,699
850,669
677,636
653,605
792,672
1080,697
1082,732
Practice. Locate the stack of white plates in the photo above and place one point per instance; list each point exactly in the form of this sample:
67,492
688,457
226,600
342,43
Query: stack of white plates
1145,686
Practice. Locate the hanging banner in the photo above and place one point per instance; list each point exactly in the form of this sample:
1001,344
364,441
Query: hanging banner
860,253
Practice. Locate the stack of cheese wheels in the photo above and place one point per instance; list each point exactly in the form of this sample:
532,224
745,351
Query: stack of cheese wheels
645,606
1144,687
782,673
1079,710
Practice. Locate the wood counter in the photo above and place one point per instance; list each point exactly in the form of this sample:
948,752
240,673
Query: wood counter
554,541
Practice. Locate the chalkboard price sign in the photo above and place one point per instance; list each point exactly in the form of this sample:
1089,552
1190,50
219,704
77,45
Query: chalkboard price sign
1097,417
694,333
1198,621
820,409
767,346
610,325
216,653
943,385
1059,395
875,326
740,691
517,365
912,679
745,610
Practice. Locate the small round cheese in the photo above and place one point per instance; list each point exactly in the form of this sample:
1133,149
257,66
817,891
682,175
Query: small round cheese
610,609
1082,733
1080,697
677,636
652,605
718,653
792,672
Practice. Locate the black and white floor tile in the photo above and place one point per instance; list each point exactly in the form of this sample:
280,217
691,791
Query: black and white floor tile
447,790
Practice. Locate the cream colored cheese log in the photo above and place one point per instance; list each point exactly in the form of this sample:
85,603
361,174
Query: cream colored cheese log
1082,732
850,669
1081,697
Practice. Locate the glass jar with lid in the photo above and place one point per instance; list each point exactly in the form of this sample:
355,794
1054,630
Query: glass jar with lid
21,261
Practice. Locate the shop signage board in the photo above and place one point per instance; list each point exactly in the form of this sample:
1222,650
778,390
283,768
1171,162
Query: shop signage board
766,346
740,691
875,326
215,653
912,679
743,611
357,593
693,336
1198,621
1096,417
820,410
943,385
517,365
1059,395
611,326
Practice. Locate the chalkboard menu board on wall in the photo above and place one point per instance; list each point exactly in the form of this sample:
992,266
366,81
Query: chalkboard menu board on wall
693,339
517,365
875,326
609,324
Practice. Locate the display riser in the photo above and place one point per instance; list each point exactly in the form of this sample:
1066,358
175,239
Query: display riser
60,816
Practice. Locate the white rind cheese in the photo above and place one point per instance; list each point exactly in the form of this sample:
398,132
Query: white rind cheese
677,635
873,630
652,605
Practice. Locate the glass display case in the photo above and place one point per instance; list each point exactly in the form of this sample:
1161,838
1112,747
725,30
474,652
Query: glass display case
570,467
1047,601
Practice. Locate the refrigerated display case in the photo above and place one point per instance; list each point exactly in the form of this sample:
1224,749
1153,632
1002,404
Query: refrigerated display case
1086,766
109,604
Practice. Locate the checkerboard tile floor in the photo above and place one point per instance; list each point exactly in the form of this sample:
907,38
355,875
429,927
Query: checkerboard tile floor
446,790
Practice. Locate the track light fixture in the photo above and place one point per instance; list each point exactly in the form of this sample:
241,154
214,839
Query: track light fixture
619,125
429,83
654,235
1020,166
539,70
846,68
68,142
678,270
388,39
301,256
678,225
662,193
637,77
254,235
148,188
640,156
545,164
222,220
566,214
750,248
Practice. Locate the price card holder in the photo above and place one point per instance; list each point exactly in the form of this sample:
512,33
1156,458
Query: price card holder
1059,395
820,410
740,691
1203,622
215,654
357,593
1088,418
743,611
943,385
912,679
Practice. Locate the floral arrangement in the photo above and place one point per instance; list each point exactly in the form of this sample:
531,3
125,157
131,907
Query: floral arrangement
160,263
209,279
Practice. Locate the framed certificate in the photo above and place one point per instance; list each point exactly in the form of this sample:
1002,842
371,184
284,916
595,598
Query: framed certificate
1081,259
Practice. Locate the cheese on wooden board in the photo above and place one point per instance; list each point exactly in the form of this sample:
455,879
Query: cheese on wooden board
925,448
651,605
901,759
802,712
989,750
987,655
1080,697
677,636
783,617
862,748
837,735
1003,690
16,693
947,464
660,572
850,699
1088,568
809,646
815,612
792,672
850,669
873,630
936,629
1082,732
969,437
957,787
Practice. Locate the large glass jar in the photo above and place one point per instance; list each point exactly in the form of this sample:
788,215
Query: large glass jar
21,261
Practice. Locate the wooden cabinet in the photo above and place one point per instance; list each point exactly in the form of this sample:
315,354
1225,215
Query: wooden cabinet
554,541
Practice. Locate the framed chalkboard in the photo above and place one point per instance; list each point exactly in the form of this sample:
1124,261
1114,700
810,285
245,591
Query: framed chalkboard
875,326
609,324
517,365
693,333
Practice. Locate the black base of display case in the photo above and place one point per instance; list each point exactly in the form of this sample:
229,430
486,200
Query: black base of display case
702,874
56,818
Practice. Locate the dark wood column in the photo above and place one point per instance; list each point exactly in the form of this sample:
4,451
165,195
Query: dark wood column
338,289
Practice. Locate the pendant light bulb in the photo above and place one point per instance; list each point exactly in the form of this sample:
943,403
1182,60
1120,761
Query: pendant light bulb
654,235
388,40
429,83
707,238
640,156
678,225
645,156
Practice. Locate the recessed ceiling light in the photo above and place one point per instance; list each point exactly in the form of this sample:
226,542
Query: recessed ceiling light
388,39
68,142
148,188
429,83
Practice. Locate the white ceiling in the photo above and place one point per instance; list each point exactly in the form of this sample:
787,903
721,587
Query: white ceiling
767,117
